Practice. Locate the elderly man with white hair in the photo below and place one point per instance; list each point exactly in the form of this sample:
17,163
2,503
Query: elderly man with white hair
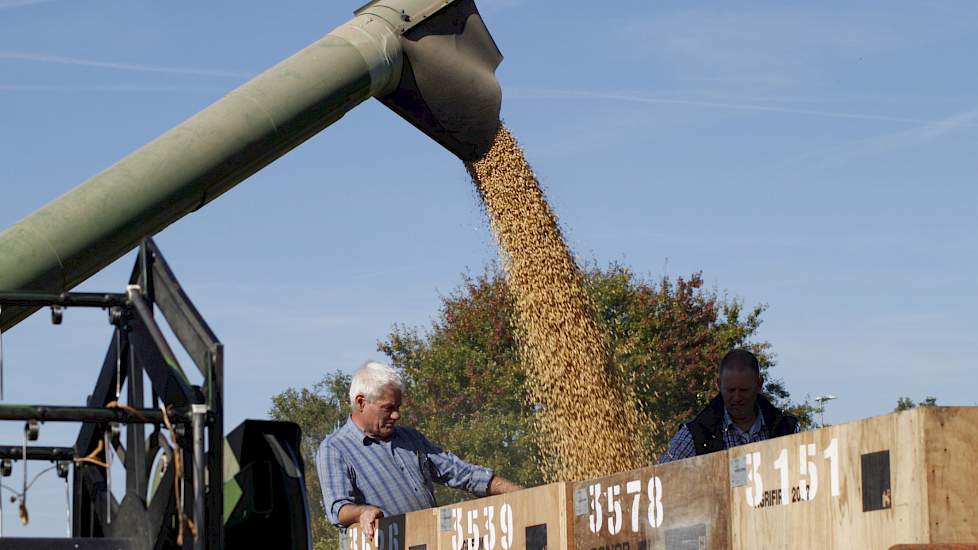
370,467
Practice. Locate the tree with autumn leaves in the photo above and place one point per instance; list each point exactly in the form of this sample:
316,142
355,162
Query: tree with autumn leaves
466,387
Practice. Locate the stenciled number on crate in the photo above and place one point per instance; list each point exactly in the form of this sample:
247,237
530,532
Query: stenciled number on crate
755,485
781,465
655,513
808,483
613,505
384,539
832,455
470,535
596,518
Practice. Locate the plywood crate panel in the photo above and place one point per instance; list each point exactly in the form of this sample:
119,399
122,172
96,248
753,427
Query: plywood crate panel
675,506
531,519
950,436
869,484
414,531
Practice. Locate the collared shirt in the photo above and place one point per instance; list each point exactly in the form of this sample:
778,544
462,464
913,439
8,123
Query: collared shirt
396,475
682,447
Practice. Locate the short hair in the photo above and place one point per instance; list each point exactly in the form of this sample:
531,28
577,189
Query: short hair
371,379
740,359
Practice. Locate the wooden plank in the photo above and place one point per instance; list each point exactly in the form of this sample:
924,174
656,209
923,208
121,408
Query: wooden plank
683,504
414,531
950,435
867,477
532,519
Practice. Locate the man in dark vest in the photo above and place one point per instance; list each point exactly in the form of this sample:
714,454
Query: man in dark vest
737,416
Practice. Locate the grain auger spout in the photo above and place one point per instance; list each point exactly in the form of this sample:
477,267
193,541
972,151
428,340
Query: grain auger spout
431,61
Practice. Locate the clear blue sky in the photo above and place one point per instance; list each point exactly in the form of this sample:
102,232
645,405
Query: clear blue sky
819,158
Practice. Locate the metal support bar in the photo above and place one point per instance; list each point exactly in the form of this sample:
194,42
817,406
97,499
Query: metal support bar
144,264
146,315
109,498
215,447
67,509
169,384
56,413
65,299
187,324
200,415
37,453
135,433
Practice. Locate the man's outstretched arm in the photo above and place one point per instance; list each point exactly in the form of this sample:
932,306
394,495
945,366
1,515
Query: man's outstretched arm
364,514
500,485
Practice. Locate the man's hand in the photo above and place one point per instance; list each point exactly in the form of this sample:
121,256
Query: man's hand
499,485
368,516
364,514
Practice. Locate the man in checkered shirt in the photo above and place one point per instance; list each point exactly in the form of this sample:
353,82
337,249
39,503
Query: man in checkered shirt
371,468
738,415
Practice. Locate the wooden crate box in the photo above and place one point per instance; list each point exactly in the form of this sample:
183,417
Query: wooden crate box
674,506
903,478
532,519
908,477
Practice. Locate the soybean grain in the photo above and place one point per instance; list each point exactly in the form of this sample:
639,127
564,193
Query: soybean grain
587,419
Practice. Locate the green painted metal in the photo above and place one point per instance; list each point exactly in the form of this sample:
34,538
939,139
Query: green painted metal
77,234
431,61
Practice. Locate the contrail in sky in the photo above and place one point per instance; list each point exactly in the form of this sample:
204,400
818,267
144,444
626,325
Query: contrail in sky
105,88
8,4
531,93
923,133
43,58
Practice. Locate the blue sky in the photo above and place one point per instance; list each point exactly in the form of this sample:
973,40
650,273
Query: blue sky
818,158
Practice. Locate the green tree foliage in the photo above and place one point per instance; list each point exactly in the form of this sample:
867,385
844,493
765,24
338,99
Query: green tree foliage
465,383
805,411
905,403
668,336
466,386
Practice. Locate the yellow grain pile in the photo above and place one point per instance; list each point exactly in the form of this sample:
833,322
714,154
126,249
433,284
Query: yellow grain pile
588,421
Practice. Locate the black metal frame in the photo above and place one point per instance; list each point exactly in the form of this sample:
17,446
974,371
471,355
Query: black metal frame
138,346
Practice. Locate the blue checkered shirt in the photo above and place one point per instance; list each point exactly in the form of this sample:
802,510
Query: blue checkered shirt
681,445
396,475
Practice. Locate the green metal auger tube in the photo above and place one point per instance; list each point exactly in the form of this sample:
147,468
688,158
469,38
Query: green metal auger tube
431,61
